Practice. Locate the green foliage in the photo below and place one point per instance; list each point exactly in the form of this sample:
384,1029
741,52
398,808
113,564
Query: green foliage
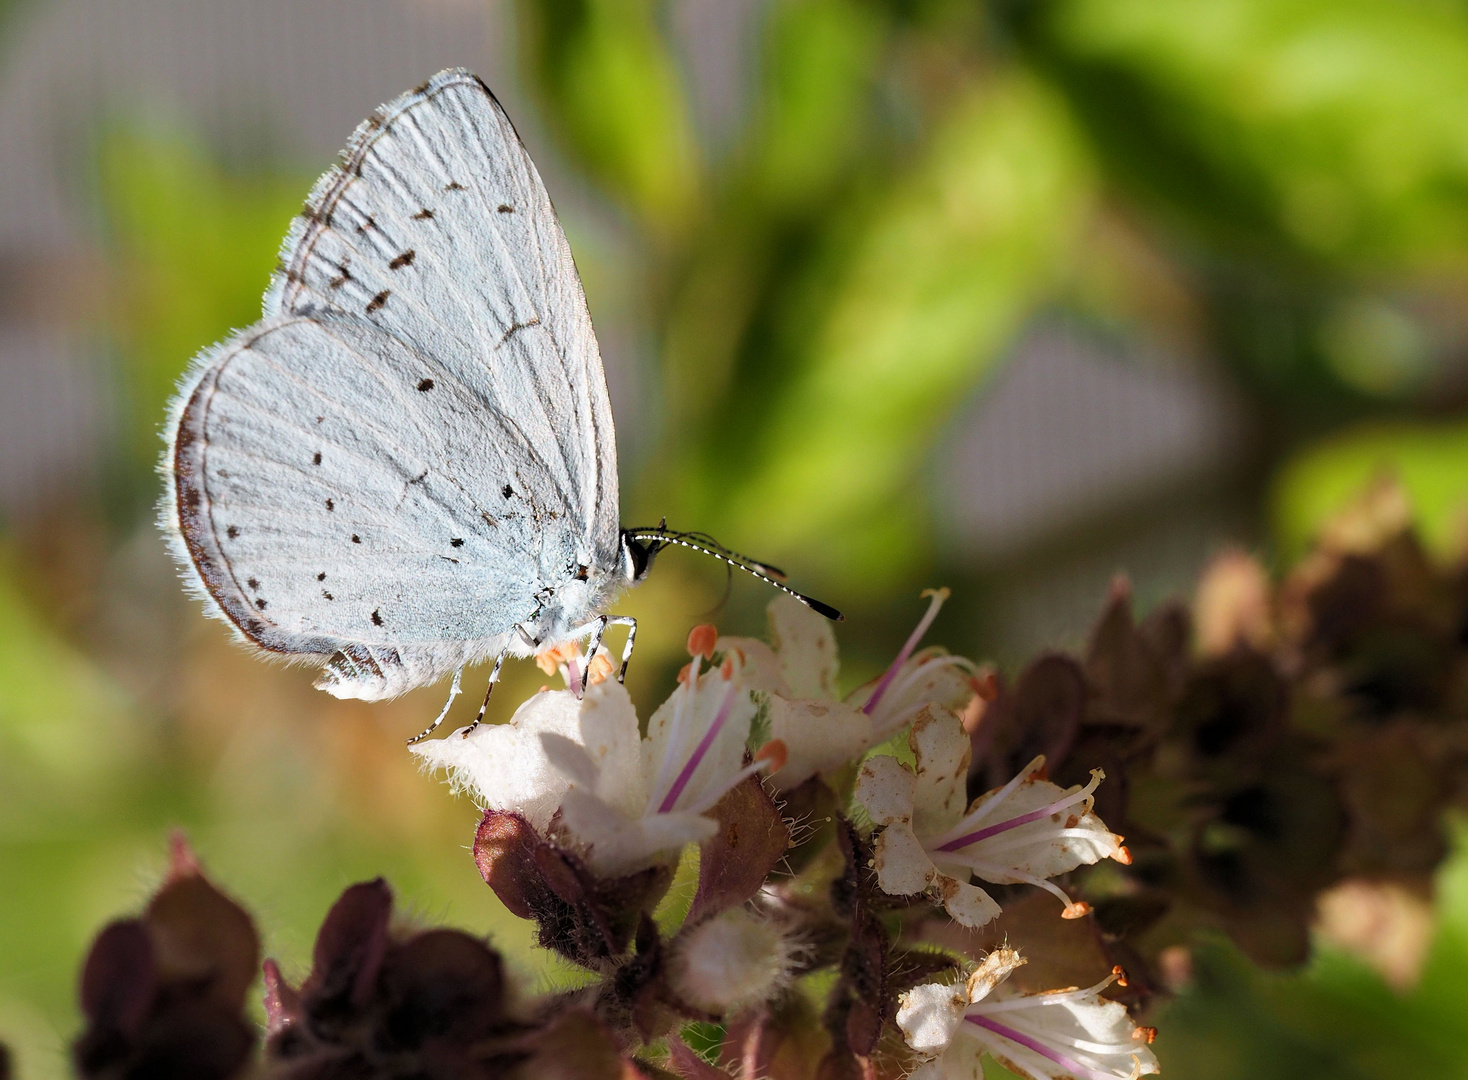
1336,1018
922,285
194,246
1330,130
613,89
1430,462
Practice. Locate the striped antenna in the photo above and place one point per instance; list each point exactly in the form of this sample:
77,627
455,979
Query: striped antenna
707,545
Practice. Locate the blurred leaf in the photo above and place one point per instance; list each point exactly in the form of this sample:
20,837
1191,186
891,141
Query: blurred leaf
612,92
818,66
56,715
1430,461
194,248
929,281
1335,128
812,117
1336,1018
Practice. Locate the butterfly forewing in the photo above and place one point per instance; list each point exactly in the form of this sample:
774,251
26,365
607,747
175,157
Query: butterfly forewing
437,228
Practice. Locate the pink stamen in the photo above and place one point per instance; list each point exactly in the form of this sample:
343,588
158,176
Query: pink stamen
1069,1064
699,751
573,676
938,595
1014,823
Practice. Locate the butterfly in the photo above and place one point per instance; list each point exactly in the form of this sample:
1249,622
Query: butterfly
408,465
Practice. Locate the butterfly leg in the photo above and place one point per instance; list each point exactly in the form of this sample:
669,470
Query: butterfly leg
494,677
600,624
454,691
598,628
631,624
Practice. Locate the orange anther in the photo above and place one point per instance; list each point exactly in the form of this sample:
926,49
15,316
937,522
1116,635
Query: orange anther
1124,856
1120,974
775,752
702,639
1077,910
601,667
726,669
550,659
1149,1034
683,672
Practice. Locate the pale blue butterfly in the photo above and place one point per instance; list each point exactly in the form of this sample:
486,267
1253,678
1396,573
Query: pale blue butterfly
408,464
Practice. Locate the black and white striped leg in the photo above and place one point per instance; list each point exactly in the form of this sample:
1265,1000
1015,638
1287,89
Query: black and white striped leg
631,624
454,691
600,622
494,677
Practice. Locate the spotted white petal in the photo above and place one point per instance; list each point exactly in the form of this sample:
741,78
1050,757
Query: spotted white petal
941,748
884,788
903,867
929,1015
969,905
819,736
806,646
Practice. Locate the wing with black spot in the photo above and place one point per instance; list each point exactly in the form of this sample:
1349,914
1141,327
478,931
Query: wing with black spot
331,503
435,226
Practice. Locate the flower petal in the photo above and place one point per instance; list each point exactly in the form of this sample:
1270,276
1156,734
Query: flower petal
903,867
929,1015
676,731
931,676
504,766
806,646
942,749
610,733
755,665
993,971
1083,1028
884,788
819,736
969,905
1043,848
616,844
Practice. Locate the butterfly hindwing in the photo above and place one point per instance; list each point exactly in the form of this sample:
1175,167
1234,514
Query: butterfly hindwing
318,493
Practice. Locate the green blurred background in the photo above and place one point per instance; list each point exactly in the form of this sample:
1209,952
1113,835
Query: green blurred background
1009,296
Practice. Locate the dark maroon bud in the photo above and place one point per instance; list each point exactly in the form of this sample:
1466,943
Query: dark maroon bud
734,862
349,949
686,1064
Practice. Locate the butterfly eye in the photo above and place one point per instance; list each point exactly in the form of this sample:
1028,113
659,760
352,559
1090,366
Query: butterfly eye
582,571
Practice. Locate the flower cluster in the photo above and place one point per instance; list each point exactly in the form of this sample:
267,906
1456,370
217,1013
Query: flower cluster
903,880
754,753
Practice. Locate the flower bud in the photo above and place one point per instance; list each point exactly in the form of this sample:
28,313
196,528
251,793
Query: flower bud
735,960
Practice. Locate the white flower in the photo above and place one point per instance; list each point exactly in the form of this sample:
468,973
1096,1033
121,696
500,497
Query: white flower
798,676
1026,831
1061,1033
624,801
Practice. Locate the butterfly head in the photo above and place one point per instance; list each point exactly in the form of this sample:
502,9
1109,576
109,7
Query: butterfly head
638,550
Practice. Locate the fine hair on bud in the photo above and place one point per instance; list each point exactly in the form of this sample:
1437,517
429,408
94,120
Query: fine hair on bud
735,960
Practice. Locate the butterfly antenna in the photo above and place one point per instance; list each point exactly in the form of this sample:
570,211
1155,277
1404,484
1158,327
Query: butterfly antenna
770,575
763,567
